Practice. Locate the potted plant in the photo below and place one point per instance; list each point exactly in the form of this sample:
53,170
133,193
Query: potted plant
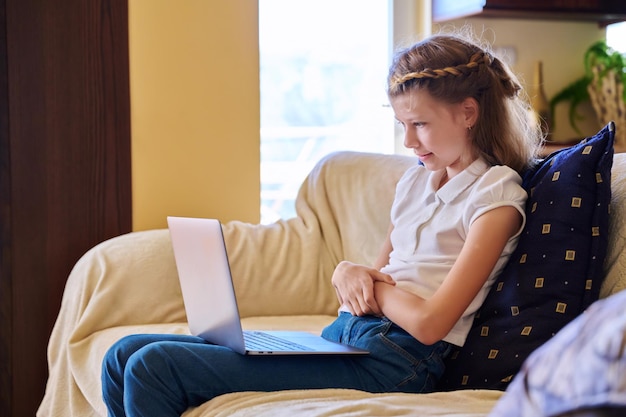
603,86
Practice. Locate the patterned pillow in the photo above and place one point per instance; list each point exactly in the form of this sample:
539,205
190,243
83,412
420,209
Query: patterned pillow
555,272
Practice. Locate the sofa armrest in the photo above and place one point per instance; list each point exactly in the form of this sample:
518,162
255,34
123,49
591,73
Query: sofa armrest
127,280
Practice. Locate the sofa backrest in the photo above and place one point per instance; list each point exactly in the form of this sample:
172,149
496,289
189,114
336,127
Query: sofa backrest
615,262
343,214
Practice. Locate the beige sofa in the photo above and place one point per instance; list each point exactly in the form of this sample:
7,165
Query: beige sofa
282,271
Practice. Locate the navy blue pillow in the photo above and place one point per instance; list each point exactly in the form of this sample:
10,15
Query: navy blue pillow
555,272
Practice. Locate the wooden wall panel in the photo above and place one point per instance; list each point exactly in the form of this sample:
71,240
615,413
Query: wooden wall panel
66,163
6,302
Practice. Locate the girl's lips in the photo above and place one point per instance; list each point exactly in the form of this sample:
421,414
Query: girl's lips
419,155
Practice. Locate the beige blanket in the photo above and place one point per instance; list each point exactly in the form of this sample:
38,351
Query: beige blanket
129,285
336,402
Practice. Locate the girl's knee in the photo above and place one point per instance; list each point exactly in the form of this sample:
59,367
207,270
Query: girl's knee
121,350
152,368
116,358
149,359
128,345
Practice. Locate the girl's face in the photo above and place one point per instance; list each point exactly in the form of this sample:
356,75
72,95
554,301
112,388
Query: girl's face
437,132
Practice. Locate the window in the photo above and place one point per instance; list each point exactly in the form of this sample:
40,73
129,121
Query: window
323,71
616,36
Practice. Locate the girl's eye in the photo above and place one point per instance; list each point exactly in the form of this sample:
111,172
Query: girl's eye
418,124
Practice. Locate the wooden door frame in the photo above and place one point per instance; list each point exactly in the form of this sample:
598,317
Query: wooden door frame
65,171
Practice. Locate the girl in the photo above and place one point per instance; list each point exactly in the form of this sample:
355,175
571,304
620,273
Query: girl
455,220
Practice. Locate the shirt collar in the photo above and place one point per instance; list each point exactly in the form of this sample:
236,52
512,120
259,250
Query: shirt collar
460,182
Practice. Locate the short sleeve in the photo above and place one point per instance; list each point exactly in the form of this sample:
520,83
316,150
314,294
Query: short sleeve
499,186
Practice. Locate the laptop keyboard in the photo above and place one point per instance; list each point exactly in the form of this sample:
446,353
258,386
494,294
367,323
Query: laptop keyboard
267,342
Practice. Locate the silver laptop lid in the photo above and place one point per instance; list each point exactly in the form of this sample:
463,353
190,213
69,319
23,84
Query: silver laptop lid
206,282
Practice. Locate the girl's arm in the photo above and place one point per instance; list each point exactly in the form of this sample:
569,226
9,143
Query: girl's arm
354,284
430,320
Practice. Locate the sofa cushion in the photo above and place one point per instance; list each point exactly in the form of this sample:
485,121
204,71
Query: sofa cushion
555,272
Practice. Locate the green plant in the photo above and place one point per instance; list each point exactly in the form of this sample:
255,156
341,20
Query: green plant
604,59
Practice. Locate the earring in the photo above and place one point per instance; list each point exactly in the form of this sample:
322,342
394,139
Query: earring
469,128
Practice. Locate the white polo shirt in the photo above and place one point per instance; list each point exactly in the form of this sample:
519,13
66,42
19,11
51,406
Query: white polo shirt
430,227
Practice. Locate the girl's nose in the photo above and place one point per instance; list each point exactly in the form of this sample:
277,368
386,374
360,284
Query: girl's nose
411,141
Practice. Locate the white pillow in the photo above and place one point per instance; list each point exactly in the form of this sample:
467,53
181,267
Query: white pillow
582,367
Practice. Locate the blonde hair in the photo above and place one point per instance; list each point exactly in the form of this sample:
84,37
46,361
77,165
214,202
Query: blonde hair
452,68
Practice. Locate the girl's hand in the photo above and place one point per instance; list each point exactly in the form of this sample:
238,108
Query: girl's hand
354,285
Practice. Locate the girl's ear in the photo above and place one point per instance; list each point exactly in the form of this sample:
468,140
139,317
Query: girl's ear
470,109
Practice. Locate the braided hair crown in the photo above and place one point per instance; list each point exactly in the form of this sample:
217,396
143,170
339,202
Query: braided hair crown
453,61
475,60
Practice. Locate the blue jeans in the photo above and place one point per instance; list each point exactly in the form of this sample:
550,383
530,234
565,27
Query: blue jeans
163,375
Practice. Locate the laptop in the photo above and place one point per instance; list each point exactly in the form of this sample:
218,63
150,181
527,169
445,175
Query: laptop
210,302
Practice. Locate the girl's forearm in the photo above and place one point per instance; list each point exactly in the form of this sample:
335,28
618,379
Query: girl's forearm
408,311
